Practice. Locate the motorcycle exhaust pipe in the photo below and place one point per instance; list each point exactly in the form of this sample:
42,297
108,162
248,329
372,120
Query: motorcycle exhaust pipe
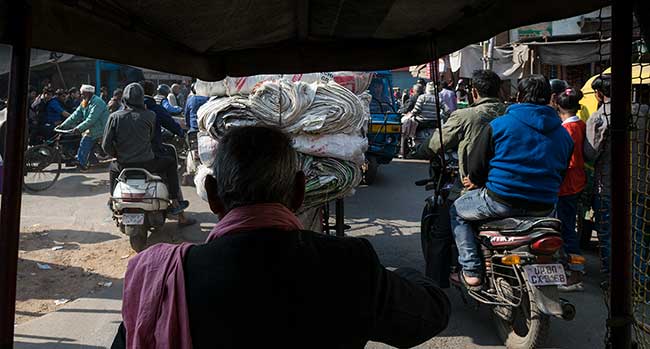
568,310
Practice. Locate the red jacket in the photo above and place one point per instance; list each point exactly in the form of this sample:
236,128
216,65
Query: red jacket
575,178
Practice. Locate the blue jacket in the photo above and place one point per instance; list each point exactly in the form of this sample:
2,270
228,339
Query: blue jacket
170,108
54,110
523,155
192,106
163,119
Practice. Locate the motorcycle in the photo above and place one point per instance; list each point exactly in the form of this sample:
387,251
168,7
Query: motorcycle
521,258
425,128
139,204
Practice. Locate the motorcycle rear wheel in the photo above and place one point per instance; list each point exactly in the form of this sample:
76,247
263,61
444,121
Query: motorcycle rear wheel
529,326
137,236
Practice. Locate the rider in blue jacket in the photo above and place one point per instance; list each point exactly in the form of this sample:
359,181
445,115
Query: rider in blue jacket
194,102
515,169
161,98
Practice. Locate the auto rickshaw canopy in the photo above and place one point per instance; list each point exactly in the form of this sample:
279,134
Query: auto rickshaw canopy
210,39
640,76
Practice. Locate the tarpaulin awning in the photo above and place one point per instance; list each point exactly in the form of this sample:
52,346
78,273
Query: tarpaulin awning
572,52
210,39
508,64
39,58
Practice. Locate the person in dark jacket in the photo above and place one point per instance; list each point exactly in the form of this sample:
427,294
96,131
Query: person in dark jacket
518,162
261,280
73,100
166,121
128,136
418,90
163,119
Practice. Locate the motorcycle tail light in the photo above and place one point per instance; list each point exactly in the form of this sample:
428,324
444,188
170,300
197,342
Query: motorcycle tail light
576,259
547,245
511,259
130,197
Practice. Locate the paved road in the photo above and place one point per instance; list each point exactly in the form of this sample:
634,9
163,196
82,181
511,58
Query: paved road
386,213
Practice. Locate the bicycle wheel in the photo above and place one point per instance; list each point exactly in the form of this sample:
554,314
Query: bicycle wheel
42,167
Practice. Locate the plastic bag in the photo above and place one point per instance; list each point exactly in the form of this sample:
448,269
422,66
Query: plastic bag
210,88
339,146
199,181
207,148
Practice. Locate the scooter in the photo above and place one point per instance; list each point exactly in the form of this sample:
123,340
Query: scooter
139,202
521,259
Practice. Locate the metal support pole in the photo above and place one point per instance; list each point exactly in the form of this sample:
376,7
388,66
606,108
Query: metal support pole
20,25
340,215
620,320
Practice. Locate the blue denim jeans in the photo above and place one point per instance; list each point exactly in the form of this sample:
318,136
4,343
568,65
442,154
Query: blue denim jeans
475,205
567,211
602,217
85,147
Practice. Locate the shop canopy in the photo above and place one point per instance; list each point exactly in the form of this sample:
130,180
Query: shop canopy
210,39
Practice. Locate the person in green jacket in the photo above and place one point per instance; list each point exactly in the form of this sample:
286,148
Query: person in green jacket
88,119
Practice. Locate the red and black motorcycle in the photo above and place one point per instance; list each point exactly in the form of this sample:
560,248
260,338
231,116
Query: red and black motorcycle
521,259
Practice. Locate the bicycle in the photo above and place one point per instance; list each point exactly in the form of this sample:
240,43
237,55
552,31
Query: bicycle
43,162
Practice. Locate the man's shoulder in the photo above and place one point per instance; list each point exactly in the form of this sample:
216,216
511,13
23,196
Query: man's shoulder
328,247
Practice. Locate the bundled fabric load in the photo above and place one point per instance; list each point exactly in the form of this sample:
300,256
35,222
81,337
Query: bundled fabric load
326,121
356,82
293,107
328,179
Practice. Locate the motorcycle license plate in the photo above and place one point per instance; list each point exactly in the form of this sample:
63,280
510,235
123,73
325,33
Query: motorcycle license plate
545,274
133,218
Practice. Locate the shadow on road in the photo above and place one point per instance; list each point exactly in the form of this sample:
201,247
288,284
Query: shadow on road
75,185
67,239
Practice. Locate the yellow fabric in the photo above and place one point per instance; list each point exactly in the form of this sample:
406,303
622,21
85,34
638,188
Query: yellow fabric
584,114
640,76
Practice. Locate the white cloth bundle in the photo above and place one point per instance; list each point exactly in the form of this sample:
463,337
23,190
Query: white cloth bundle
318,108
356,82
340,146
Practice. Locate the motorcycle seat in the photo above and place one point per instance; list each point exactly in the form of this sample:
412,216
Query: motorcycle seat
521,225
426,123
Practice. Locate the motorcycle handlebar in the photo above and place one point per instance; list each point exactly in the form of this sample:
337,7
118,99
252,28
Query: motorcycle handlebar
58,130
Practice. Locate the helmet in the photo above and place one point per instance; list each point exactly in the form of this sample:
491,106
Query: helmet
558,86
164,89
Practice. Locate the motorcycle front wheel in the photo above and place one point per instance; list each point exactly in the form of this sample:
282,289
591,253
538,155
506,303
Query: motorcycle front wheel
528,328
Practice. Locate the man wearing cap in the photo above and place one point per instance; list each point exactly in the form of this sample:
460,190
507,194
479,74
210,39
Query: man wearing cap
88,119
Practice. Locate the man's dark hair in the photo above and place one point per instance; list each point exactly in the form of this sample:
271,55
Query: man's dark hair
118,92
255,165
486,82
149,87
603,84
444,84
534,89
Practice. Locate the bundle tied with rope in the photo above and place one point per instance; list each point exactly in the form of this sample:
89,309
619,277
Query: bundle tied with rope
325,120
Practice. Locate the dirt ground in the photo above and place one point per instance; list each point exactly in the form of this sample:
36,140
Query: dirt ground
76,269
